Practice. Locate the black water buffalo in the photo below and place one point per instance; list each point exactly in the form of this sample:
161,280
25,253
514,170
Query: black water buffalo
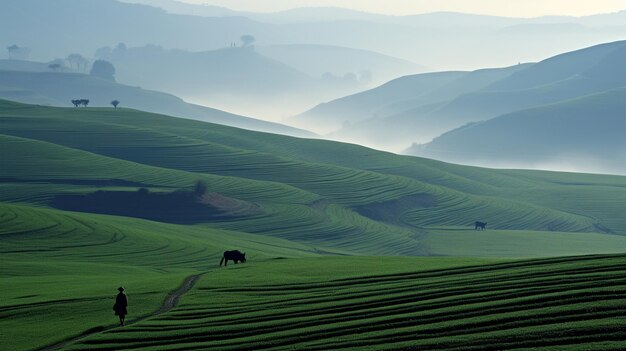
234,255
480,225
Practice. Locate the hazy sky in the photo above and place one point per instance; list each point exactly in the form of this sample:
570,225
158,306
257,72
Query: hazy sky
515,8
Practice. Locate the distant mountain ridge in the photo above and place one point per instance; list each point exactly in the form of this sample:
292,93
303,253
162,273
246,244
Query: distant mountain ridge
322,60
402,99
406,37
334,13
416,109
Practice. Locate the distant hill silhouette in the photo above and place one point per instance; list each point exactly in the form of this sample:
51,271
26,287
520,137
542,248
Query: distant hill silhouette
204,35
423,92
395,114
585,134
319,60
28,66
468,41
238,79
358,107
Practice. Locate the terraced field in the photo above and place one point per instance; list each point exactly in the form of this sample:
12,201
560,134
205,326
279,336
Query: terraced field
575,303
313,201
60,269
345,175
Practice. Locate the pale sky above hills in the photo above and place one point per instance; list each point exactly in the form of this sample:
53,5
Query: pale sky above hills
512,8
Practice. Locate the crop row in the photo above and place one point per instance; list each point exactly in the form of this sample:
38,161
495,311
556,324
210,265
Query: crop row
504,306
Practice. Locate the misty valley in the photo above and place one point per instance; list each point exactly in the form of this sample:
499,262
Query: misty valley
189,175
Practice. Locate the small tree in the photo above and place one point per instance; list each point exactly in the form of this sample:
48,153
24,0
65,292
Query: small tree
119,49
247,39
76,102
78,61
103,69
84,102
115,103
57,64
13,49
18,53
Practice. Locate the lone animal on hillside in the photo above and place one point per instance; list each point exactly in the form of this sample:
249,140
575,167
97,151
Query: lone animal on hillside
233,256
480,225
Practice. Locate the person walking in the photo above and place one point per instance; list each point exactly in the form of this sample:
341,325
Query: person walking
121,304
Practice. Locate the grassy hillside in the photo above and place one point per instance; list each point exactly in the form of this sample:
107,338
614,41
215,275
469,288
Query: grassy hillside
584,134
58,89
366,176
191,147
393,304
286,211
310,198
60,269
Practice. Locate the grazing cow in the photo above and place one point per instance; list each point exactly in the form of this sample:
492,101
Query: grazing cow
480,225
233,256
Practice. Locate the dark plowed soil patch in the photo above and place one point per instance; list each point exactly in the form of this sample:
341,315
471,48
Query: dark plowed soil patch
176,207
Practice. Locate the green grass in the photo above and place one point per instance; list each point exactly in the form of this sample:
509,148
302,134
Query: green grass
383,303
511,243
72,298
60,269
342,174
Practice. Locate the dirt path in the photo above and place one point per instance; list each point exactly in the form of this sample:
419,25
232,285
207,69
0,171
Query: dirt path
171,301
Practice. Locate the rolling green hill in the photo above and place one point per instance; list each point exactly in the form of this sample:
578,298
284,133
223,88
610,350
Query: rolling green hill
311,198
66,265
187,146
